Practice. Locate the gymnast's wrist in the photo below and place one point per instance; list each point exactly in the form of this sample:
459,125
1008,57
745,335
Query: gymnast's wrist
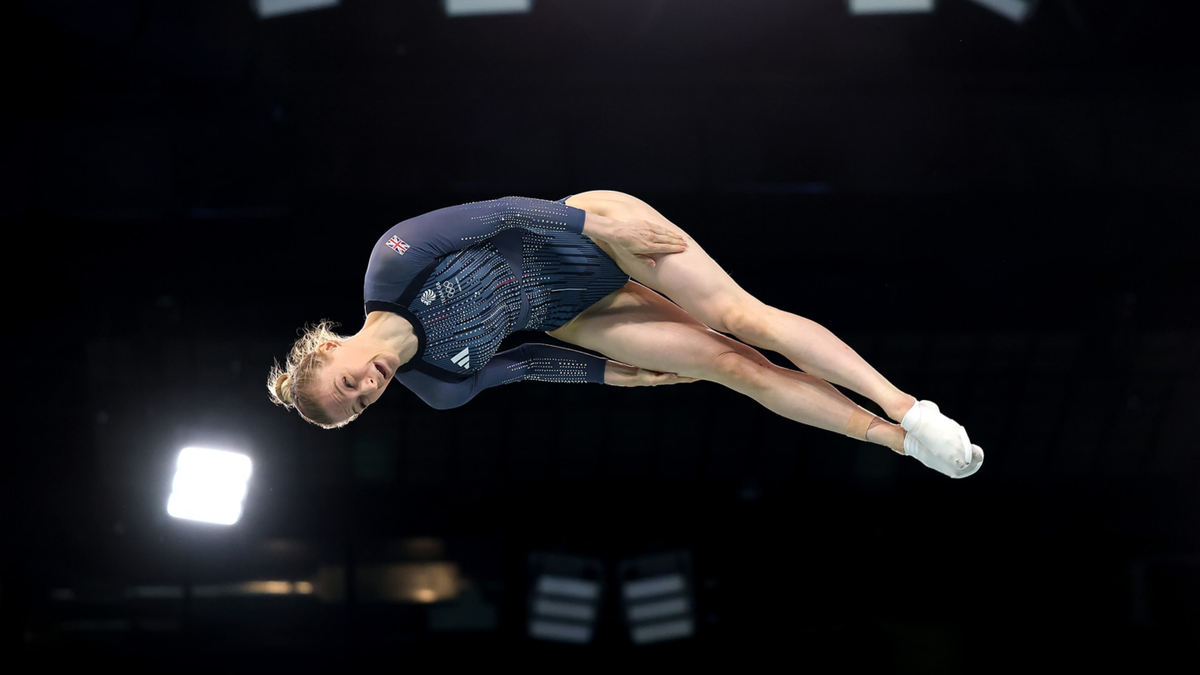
599,227
617,374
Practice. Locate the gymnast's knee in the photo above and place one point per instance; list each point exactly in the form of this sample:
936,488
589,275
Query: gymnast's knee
739,370
751,324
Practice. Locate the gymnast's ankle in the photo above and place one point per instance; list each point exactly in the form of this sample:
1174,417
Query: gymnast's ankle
899,406
890,436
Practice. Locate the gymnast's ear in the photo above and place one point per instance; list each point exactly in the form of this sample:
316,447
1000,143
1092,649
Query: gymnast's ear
329,345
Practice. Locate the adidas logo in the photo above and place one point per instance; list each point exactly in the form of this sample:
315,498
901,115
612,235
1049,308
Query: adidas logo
462,359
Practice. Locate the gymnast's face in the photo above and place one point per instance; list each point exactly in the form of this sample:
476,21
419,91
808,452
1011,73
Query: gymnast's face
353,375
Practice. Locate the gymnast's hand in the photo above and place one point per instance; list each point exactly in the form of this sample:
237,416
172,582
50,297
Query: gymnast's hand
640,238
621,375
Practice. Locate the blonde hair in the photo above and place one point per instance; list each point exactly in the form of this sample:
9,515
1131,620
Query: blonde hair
290,385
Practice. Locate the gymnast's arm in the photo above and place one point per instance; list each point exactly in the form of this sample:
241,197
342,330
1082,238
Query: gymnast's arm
452,228
533,362
411,246
536,362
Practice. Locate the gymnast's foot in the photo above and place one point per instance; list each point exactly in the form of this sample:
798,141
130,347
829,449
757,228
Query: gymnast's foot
915,448
939,442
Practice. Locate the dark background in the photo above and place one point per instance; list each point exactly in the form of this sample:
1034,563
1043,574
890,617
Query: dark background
999,217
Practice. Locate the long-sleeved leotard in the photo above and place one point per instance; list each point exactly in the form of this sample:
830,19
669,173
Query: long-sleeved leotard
468,276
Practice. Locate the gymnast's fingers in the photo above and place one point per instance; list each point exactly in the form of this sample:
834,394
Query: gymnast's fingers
679,379
672,244
657,378
665,235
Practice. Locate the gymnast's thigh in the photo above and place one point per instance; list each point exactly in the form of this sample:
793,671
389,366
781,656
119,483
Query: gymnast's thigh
692,279
637,326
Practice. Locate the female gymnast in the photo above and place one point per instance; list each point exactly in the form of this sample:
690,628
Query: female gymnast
443,289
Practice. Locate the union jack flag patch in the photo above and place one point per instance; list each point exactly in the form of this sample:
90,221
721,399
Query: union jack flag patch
397,244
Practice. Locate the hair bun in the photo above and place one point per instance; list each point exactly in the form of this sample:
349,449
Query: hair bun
283,390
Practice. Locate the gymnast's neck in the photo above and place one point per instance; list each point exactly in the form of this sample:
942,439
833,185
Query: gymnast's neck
393,331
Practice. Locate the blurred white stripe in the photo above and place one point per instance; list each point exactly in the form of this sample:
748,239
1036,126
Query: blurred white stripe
572,588
474,7
563,632
645,588
565,610
269,8
658,632
657,610
1014,10
890,6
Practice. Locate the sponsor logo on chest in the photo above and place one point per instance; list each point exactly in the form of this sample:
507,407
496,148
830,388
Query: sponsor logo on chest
463,358
442,290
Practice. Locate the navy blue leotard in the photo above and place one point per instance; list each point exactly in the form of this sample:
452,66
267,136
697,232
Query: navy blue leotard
468,276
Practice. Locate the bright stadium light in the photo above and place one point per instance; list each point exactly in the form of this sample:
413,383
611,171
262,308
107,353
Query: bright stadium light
477,7
209,486
890,6
266,9
1016,11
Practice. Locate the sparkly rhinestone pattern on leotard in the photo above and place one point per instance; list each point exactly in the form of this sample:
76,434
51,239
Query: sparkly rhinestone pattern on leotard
470,282
473,303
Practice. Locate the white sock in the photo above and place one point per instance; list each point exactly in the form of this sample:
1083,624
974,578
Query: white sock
937,433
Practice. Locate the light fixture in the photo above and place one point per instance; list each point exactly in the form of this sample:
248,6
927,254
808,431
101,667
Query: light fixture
656,592
859,7
209,486
477,7
1016,11
266,9
564,597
